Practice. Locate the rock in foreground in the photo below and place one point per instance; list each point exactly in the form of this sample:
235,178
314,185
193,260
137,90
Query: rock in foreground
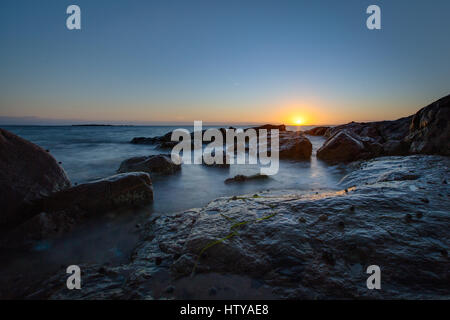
27,173
121,190
61,211
391,212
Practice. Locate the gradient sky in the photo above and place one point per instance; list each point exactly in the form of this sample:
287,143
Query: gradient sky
222,61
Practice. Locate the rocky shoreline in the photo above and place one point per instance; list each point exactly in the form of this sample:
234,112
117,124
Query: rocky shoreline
392,210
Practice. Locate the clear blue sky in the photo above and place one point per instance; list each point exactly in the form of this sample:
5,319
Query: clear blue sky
222,61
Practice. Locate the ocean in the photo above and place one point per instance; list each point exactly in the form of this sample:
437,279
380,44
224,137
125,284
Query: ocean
93,152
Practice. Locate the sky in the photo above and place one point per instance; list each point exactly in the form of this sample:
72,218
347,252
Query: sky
246,61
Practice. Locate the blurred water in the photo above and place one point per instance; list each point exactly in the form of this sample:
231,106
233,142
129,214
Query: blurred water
92,152
89,153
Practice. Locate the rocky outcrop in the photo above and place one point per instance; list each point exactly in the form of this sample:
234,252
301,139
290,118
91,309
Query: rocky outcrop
427,132
391,212
317,131
27,173
156,164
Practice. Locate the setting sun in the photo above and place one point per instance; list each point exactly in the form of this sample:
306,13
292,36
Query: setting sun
298,121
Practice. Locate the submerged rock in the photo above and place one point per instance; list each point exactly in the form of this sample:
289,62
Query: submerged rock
159,164
283,240
27,173
243,178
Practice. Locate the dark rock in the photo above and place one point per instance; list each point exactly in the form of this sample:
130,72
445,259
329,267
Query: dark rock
243,178
294,145
269,127
426,132
27,173
159,164
343,146
317,131
429,131
121,190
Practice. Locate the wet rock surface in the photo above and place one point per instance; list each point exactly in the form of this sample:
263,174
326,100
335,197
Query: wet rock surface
27,173
156,164
391,212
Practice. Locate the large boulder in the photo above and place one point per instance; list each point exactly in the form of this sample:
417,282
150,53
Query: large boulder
343,146
121,190
294,145
63,210
429,131
156,164
27,173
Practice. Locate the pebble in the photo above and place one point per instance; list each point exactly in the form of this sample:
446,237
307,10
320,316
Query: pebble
323,217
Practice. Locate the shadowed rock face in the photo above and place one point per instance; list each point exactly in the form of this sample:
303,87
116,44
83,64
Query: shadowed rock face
426,132
159,164
27,173
343,146
121,190
429,131
61,211
391,212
